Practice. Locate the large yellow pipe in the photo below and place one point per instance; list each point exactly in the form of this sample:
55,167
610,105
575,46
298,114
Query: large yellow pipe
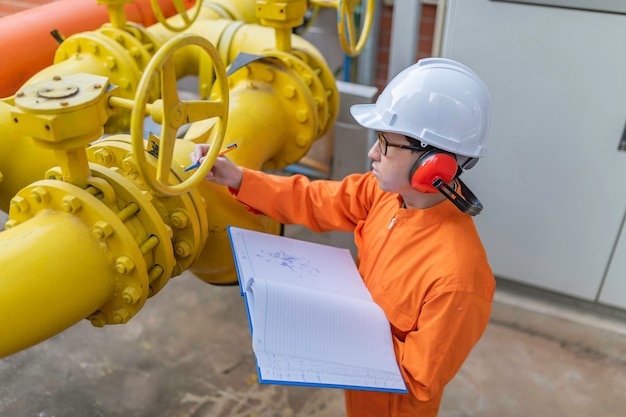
273,119
46,290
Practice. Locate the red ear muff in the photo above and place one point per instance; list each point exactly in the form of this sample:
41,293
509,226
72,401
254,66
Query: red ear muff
433,165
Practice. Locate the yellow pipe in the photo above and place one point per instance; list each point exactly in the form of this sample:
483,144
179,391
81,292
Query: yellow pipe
240,10
278,107
45,285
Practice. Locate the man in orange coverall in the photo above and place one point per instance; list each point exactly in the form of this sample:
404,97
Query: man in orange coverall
418,251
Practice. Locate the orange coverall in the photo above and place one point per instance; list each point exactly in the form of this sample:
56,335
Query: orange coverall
427,269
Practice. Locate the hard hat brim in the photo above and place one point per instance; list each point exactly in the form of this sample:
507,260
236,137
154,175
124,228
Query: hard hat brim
366,116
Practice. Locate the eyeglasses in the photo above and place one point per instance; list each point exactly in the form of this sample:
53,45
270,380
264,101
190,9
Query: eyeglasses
383,144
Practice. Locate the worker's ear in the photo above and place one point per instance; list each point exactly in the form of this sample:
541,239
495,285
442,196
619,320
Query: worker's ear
431,166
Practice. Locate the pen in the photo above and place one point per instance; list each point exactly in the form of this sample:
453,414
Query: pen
223,152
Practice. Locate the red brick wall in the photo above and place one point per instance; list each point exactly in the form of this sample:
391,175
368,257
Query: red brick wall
425,40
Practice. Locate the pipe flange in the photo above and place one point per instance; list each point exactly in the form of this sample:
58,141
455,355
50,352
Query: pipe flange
184,216
329,83
311,79
301,113
133,46
159,256
117,242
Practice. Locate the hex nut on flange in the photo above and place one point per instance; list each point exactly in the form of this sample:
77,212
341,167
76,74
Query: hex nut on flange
98,319
182,248
131,295
124,265
71,204
179,219
121,315
101,230
19,204
40,195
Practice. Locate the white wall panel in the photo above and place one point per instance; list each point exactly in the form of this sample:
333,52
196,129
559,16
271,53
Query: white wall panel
553,183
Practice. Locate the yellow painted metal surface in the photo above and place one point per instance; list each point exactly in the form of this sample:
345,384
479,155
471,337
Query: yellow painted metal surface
88,224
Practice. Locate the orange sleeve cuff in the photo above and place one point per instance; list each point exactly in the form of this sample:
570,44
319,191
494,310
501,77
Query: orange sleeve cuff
234,192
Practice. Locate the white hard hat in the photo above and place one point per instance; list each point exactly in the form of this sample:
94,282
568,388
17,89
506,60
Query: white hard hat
437,101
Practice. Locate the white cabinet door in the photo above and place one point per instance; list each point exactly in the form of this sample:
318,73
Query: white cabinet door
553,183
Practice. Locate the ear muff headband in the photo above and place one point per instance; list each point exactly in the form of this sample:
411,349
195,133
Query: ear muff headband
467,202
431,166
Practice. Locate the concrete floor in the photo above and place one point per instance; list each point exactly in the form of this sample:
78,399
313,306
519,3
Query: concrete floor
188,353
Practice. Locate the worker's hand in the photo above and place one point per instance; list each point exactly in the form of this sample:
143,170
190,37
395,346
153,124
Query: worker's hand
223,172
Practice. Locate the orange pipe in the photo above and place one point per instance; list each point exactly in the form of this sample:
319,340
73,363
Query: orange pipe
26,42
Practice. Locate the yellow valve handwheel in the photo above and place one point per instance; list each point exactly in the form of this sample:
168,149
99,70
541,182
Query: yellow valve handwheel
345,20
171,113
345,23
182,12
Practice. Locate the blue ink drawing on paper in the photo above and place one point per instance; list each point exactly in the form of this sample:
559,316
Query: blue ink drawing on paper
296,264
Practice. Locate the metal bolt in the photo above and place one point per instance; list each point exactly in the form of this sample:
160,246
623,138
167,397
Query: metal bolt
64,104
124,265
93,48
103,156
150,243
110,63
71,204
56,78
128,165
101,230
131,295
154,274
302,116
98,319
19,204
121,315
40,195
301,140
179,219
125,83
289,91
11,223
182,248
127,212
